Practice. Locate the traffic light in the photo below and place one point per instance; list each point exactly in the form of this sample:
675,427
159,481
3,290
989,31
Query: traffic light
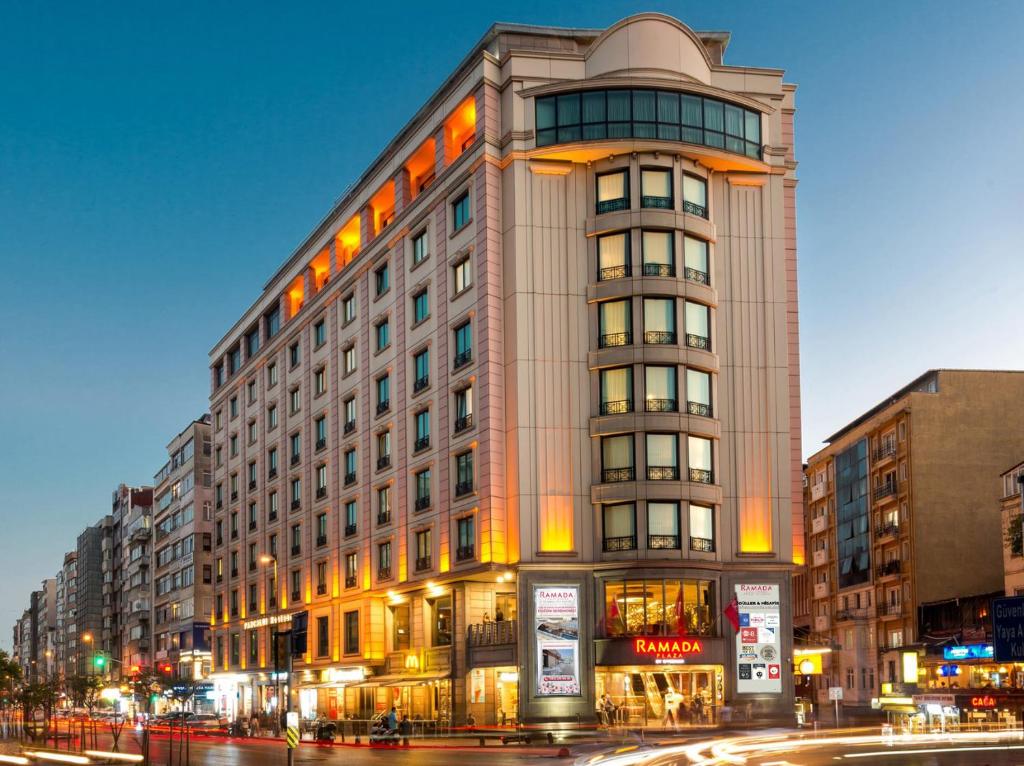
99,661
167,669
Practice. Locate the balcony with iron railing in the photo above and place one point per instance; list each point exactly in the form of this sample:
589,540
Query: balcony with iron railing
701,342
422,502
661,405
702,545
321,589
663,473
614,475
350,426
296,550
694,209
463,423
383,517
321,540
701,476
420,383
614,339
663,542
889,529
619,544
421,444
659,270
462,358
614,272
696,275
350,529
423,563
612,205
498,633
885,490
465,553
383,406
321,443
296,458
888,609
463,488
699,408
884,452
321,493
660,337
658,202
383,573
350,581
889,568
384,461
620,407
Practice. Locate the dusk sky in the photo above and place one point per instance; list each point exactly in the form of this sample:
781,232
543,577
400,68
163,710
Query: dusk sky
158,162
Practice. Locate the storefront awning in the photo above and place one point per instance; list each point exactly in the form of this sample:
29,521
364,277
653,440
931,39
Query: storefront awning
399,679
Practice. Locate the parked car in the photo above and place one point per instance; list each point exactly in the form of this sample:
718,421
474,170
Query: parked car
206,721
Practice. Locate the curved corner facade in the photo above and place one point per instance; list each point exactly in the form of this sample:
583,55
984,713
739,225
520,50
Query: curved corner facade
513,427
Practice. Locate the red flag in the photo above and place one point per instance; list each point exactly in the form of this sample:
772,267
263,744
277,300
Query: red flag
680,624
732,613
615,618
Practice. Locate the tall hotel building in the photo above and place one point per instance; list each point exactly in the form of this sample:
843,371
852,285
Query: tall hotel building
527,399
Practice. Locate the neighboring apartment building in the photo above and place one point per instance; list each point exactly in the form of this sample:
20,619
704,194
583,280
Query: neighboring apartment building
67,615
23,644
527,396
93,590
44,607
897,496
1013,534
182,554
131,634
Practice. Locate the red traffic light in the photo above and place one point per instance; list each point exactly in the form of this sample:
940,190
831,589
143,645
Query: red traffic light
166,668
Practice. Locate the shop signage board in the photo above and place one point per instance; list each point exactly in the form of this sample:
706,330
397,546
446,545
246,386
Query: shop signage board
969,652
556,621
1008,629
759,639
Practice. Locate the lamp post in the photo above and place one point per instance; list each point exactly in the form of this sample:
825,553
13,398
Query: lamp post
271,560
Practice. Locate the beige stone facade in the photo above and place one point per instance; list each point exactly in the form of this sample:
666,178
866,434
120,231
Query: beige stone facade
900,512
1013,541
540,342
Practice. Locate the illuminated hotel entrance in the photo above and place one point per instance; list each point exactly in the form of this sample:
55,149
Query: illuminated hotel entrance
645,695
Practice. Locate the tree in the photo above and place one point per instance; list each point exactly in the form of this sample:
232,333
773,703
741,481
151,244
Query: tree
84,691
33,698
10,677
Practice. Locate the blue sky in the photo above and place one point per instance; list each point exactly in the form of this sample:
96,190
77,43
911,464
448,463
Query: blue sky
157,167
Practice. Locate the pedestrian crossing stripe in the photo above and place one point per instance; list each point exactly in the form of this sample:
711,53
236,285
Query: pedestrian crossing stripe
292,737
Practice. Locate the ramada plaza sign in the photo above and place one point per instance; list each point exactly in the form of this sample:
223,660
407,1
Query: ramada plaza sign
668,648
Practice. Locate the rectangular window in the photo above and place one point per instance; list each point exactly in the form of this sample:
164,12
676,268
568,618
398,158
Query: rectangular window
421,366
460,211
695,196
321,431
350,413
321,481
617,458
296,446
616,390
272,322
320,381
462,274
296,492
252,342
419,247
382,279
656,188
420,307
619,527
350,360
401,622
350,466
702,528
463,408
466,533
271,375
294,356
613,256
384,560
383,335
615,323
351,569
662,525
383,447
423,489
463,474
383,394
272,505
613,191
422,430
698,323
351,517
660,321
662,457
348,308
660,389
698,392
695,256
659,607
424,549
658,249
699,460
463,344
351,632
323,637
295,400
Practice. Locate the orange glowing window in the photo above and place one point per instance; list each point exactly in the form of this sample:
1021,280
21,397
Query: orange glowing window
347,243
460,130
296,295
421,167
383,205
321,268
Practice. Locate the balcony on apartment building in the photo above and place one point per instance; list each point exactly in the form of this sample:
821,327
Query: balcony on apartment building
493,633
885,491
883,453
819,525
853,615
889,529
889,609
888,569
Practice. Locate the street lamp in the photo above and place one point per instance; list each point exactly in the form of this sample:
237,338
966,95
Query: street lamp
266,559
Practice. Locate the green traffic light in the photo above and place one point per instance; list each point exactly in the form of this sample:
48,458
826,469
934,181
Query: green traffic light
100,660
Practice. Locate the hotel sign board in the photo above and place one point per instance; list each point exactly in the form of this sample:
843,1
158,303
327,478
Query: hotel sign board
1008,629
759,639
556,621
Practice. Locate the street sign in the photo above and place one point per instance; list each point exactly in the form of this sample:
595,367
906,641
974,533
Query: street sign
835,693
292,730
1008,629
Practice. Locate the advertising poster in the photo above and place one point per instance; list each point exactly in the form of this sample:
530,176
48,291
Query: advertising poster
758,640
477,686
557,627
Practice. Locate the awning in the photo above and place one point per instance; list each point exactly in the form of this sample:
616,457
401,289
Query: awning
399,679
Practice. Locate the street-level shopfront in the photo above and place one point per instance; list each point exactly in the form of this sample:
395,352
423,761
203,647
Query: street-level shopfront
946,712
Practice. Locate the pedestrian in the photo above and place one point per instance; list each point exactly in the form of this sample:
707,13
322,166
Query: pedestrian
487,617
392,720
405,729
254,725
499,616
471,721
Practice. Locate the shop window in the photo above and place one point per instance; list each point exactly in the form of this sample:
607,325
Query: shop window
400,627
659,607
441,622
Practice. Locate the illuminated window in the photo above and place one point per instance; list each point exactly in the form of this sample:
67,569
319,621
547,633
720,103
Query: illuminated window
698,322
323,633
613,191
617,458
659,320
613,256
695,260
616,390
662,525
352,629
659,607
695,195
658,253
656,188
660,389
462,274
619,526
615,323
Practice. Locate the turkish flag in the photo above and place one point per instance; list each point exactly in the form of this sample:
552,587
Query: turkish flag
615,618
732,613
